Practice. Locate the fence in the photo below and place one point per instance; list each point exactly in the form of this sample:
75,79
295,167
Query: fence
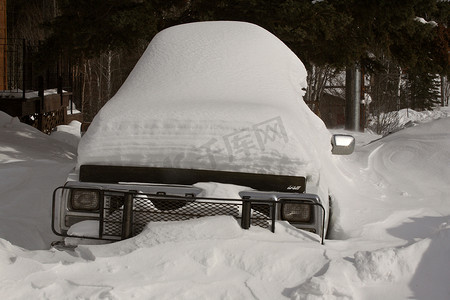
39,94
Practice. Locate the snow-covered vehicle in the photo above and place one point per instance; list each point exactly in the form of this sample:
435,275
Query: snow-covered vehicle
211,121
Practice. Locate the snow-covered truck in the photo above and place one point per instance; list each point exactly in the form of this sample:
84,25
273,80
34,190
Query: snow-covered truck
211,121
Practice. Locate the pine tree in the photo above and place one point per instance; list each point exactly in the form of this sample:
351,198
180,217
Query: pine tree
422,91
324,34
87,28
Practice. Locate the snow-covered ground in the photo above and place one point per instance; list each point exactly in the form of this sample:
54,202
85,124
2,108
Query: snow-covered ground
391,236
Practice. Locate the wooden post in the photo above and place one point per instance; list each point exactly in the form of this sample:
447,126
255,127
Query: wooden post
3,47
41,92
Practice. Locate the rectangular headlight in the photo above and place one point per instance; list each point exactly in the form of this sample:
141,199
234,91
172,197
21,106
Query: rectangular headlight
84,199
295,212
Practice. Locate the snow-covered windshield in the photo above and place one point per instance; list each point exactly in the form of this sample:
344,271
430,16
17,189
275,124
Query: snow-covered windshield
211,95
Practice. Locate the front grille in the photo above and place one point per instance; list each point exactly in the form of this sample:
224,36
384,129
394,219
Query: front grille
151,208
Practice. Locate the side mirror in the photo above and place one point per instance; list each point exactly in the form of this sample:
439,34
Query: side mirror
342,144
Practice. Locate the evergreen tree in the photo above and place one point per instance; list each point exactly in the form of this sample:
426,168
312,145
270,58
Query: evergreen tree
87,28
422,91
324,34
337,33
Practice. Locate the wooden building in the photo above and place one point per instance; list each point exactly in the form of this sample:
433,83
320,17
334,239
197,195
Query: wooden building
43,110
332,110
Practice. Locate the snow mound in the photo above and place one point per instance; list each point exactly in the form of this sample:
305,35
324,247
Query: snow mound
211,95
69,134
413,159
21,142
8,121
32,164
419,271
423,264
410,116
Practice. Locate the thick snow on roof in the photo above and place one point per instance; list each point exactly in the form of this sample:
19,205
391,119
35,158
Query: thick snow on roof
211,95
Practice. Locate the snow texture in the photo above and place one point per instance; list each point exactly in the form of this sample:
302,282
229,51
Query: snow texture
211,95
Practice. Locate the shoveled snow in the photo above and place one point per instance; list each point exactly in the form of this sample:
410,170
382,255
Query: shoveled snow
211,95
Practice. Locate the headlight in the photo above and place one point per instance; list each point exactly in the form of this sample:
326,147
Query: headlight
295,212
82,199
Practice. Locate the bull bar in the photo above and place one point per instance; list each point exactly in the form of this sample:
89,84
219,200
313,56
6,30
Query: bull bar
125,213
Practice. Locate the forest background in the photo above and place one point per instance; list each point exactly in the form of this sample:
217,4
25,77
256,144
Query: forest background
400,47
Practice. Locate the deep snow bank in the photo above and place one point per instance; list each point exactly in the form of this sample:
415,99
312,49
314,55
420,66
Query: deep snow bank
410,116
211,95
208,258
413,159
392,180
32,164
